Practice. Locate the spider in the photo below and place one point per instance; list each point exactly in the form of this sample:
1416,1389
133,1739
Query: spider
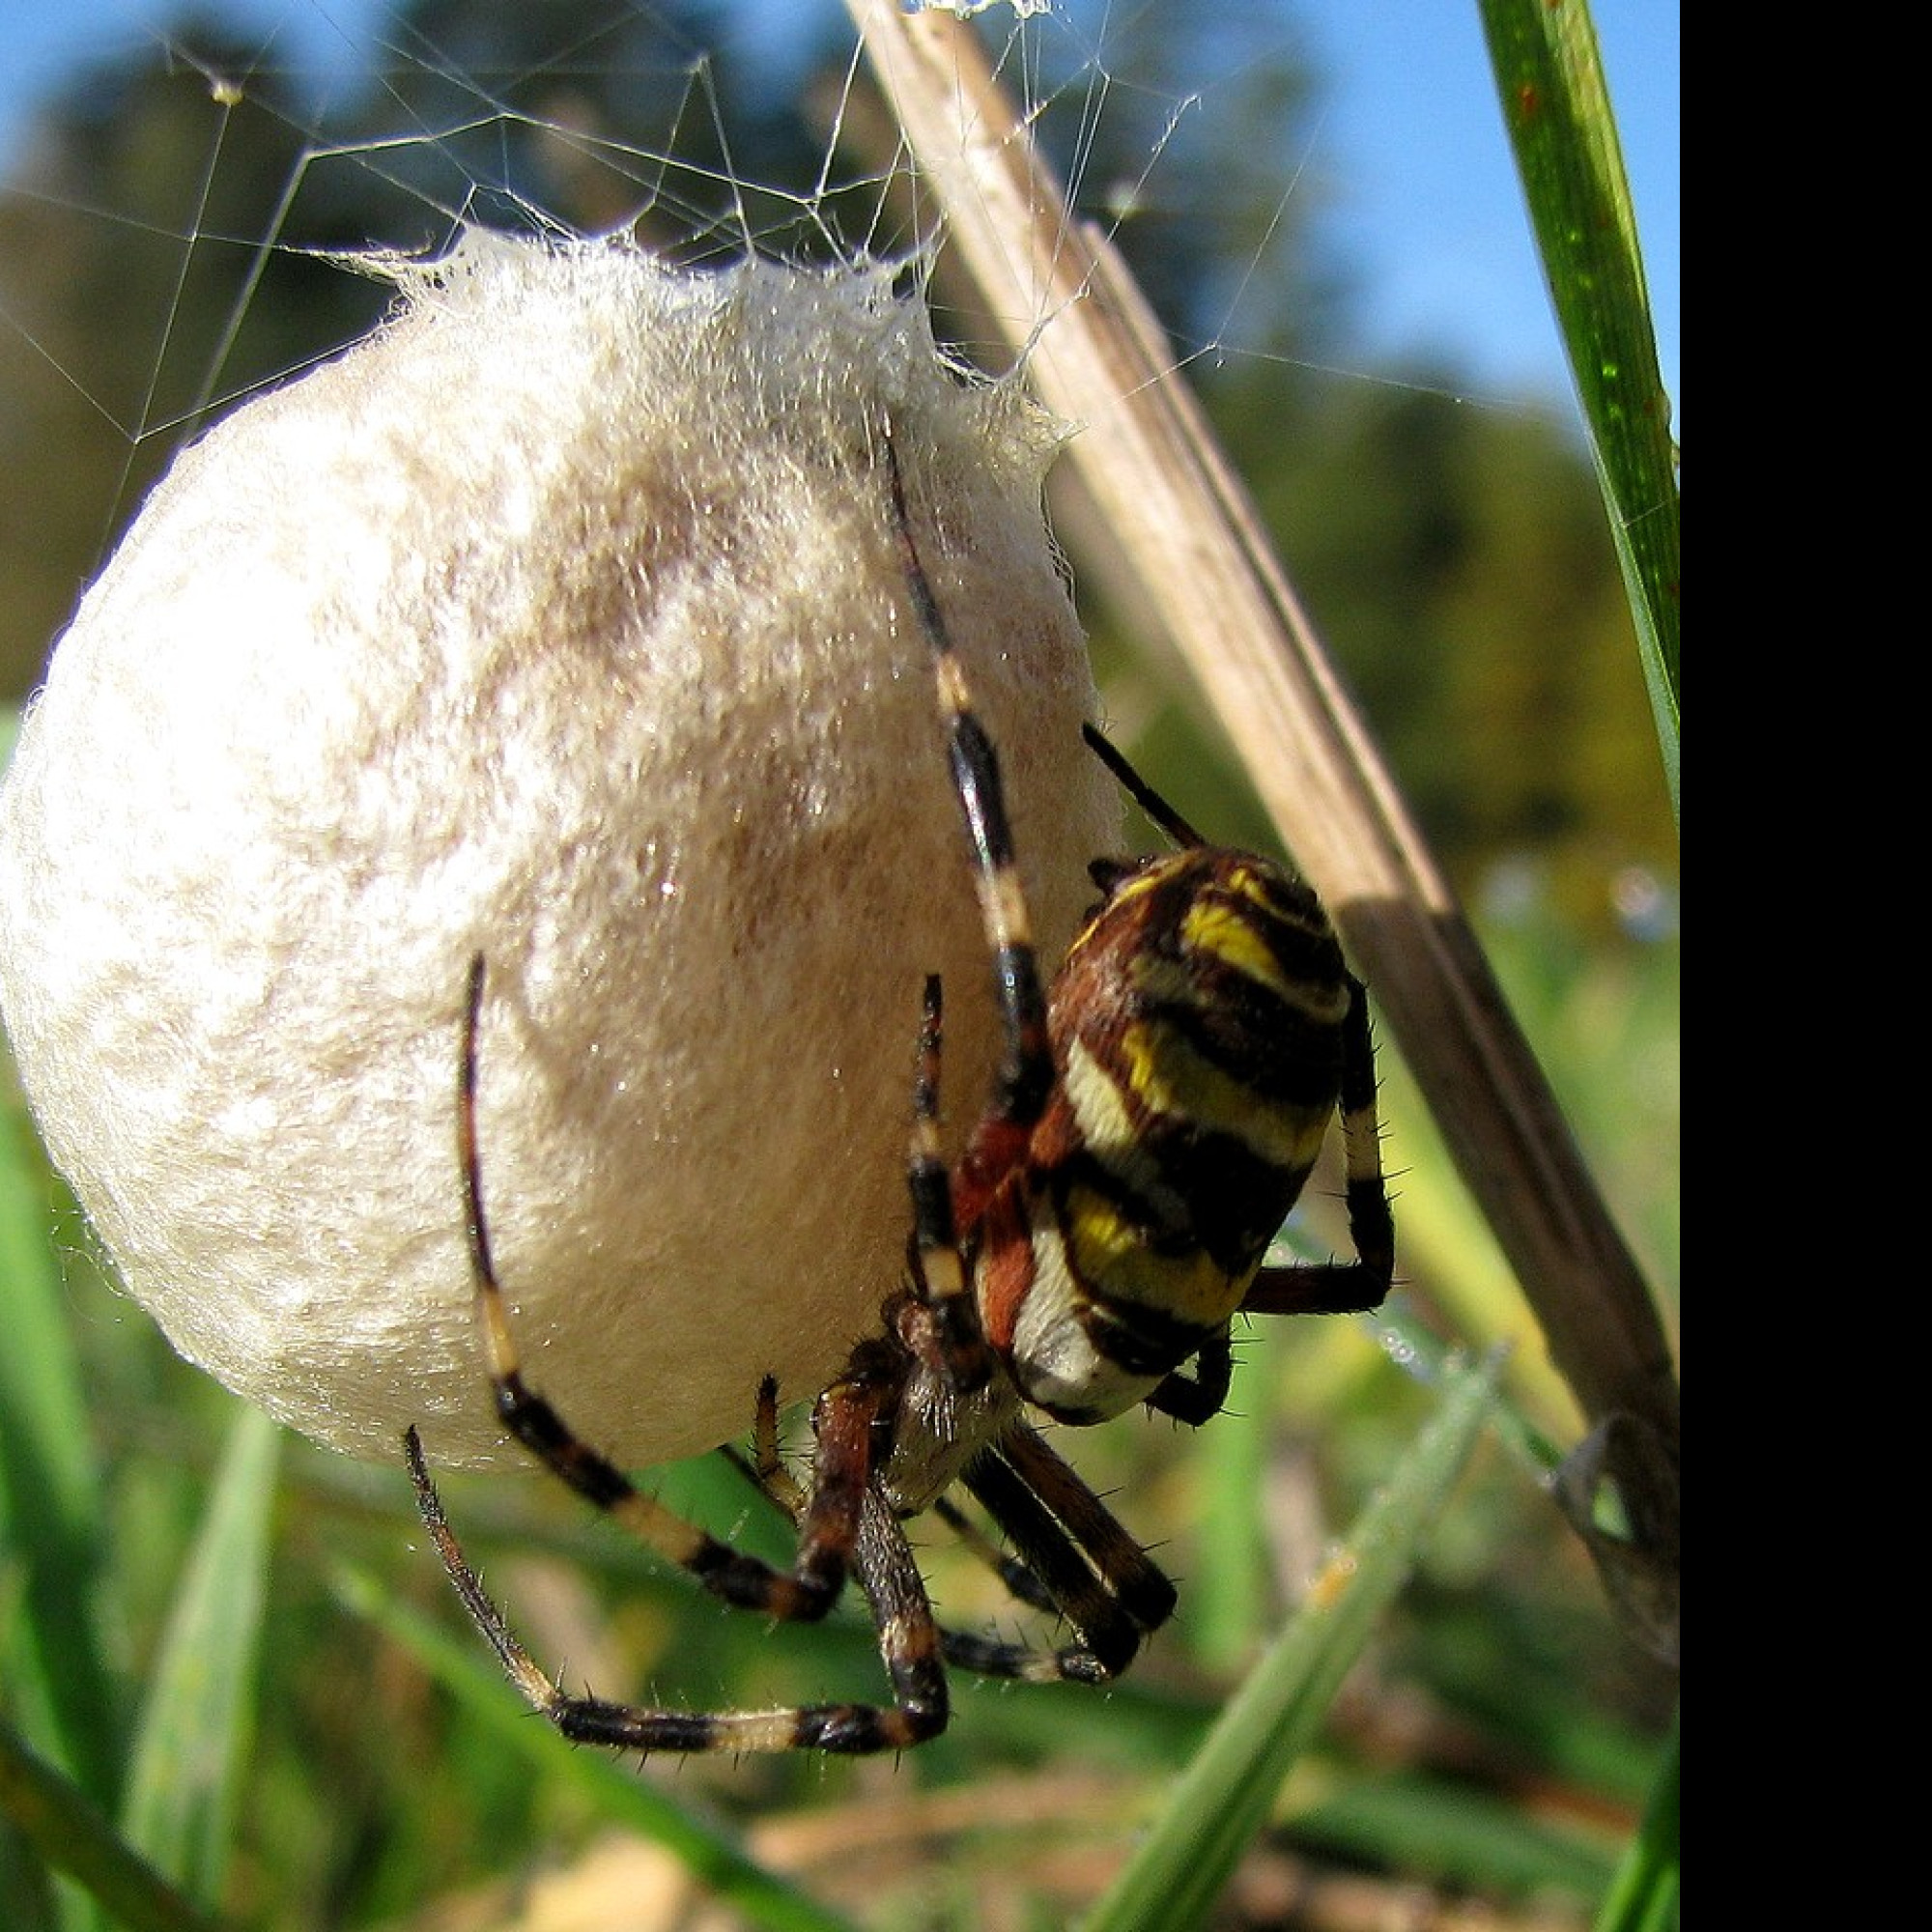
1154,1118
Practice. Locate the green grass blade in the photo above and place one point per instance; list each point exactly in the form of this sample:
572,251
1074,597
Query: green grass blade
54,1816
708,1854
1227,1605
1644,1895
1556,106
1224,1797
50,1528
186,1781
1463,1840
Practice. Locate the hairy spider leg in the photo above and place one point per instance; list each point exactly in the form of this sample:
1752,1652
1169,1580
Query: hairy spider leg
1124,1596
845,1525
936,1268
847,1410
1345,1288
1025,1075
909,1644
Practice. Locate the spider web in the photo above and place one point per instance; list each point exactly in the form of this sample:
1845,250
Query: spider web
184,209
179,216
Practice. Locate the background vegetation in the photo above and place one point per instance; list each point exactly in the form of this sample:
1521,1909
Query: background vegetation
1493,1751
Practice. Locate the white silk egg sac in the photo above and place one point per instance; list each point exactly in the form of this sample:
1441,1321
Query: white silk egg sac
560,621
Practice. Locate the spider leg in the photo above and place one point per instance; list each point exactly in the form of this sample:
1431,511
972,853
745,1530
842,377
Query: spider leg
1196,1398
973,1650
1025,1074
1137,788
764,1468
1020,1581
934,1263
1095,1574
1133,1577
842,1422
909,1644
1345,1287
985,1656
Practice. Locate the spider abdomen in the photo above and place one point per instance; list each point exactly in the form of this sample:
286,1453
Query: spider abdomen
1197,1036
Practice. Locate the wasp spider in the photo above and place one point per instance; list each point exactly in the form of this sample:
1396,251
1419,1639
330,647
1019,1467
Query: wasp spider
1154,1118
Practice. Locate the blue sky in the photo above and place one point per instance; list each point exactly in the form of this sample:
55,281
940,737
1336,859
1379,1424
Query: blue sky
1411,145
1431,187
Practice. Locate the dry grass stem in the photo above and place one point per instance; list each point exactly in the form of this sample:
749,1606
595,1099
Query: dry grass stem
1188,541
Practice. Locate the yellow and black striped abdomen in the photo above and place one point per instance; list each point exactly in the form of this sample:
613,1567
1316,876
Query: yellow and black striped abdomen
1197,1030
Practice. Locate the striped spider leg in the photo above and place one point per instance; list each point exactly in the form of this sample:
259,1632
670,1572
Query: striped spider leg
1151,1123
843,1525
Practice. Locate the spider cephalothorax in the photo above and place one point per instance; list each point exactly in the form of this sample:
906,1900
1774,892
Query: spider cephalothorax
1153,1119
